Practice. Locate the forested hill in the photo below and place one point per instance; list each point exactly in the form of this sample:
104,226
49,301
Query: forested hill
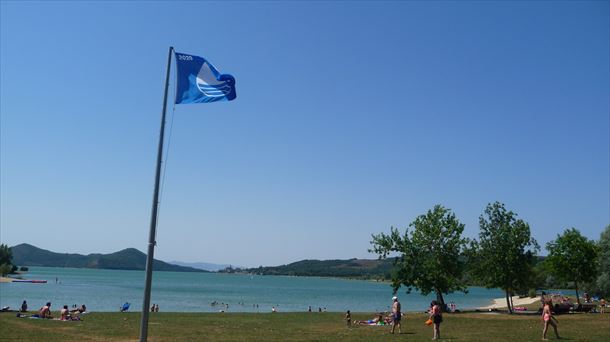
352,268
126,259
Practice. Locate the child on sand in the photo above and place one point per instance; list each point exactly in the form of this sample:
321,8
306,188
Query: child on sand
547,318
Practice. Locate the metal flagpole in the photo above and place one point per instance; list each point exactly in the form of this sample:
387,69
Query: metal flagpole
153,217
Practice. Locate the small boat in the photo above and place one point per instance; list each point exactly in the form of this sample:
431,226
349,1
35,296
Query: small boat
29,281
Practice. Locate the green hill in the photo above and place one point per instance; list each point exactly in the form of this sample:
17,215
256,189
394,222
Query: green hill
126,259
352,268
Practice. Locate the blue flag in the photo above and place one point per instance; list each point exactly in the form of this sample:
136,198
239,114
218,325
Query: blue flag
200,82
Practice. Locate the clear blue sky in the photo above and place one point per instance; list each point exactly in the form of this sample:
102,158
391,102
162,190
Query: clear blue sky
350,117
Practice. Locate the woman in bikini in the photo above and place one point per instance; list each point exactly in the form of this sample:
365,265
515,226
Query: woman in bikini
547,318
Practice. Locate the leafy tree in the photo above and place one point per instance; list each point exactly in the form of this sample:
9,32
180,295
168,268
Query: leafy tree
602,283
572,257
6,255
5,269
6,260
429,254
504,255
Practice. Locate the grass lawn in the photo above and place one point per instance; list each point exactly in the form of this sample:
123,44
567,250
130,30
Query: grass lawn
297,327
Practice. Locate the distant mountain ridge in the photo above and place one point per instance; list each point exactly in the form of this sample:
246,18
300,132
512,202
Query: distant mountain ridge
126,259
202,265
351,268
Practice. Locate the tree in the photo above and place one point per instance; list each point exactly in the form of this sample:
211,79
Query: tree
429,258
602,283
6,259
505,253
572,257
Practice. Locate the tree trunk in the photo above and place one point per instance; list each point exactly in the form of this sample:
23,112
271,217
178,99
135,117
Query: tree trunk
512,305
440,300
510,308
577,296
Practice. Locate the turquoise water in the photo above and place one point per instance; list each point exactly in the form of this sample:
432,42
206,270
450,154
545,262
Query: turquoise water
107,290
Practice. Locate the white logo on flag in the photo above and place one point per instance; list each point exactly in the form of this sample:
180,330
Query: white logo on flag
209,85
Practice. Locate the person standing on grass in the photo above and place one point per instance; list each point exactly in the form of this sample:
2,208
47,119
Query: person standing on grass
348,319
548,318
436,316
396,315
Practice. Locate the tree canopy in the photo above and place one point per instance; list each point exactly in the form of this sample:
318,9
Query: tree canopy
602,283
503,256
6,259
572,257
429,253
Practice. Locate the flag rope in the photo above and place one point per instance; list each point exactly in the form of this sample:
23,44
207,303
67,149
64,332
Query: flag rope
167,150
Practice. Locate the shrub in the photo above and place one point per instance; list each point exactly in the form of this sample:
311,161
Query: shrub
533,293
5,269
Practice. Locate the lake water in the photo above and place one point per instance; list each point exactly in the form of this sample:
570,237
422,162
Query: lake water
107,290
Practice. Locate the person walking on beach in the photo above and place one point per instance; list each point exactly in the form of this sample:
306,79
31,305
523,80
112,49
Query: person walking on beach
396,315
437,317
548,318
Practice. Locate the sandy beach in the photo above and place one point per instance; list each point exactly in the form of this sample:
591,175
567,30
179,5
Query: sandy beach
499,303
5,280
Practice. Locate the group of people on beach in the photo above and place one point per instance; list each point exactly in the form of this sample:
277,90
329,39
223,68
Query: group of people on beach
395,316
435,318
45,312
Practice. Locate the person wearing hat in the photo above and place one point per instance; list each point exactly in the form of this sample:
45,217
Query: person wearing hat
396,315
